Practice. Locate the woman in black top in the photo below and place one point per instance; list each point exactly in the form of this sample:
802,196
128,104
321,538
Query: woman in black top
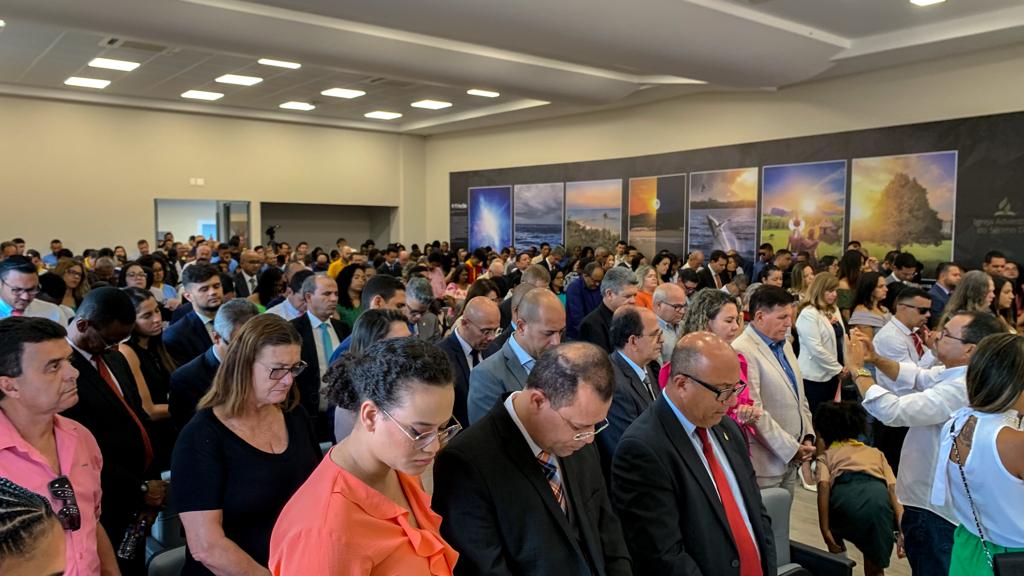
249,447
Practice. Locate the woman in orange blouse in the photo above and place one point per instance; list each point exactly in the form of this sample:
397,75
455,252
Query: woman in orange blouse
364,511
648,278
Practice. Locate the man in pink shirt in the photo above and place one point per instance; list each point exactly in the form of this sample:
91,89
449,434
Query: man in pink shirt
46,453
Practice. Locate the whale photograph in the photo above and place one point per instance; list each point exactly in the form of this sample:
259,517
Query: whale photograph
723,211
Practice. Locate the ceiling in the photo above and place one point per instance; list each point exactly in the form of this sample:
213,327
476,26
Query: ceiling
545,58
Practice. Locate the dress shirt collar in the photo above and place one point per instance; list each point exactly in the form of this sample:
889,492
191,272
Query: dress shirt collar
521,354
203,317
901,326
510,407
84,354
292,311
316,322
11,438
640,372
466,348
666,326
771,343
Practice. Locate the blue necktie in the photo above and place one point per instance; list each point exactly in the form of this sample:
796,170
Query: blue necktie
325,339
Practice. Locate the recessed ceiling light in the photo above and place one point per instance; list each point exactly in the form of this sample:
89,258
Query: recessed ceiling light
2,23
293,105
926,2
87,82
382,115
111,64
240,80
280,63
343,93
431,104
202,95
484,93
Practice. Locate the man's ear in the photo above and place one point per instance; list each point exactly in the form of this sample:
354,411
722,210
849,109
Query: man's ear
9,386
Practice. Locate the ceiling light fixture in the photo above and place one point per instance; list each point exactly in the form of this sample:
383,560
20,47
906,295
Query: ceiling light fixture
382,115
431,104
343,93
280,63
301,106
2,23
202,95
926,2
483,93
111,64
87,82
240,80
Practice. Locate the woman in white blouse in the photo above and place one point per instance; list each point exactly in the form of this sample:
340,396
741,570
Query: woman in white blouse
822,334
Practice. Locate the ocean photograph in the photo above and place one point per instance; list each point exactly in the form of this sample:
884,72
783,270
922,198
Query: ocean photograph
593,213
723,211
490,217
539,214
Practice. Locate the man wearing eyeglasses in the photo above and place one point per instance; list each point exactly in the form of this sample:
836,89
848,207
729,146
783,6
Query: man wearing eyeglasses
47,453
464,348
904,338
934,393
109,405
19,285
521,491
670,304
682,482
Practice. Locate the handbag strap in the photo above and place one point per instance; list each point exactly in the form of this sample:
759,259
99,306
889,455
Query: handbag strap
970,500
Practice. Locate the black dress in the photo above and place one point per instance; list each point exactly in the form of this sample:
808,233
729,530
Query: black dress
162,433
214,469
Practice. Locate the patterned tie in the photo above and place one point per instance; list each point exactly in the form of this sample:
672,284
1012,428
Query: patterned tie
554,478
104,371
252,285
750,561
918,344
647,384
209,329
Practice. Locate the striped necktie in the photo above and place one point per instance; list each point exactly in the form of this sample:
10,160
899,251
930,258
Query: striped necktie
554,478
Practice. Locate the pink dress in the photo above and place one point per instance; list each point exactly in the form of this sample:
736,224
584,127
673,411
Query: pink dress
742,399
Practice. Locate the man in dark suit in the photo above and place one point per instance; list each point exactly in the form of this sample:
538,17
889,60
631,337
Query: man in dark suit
190,336
522,262
391,266
539,327
636,337
709,276
109,405
246,276
948,276
681,461
321,335
471,335
618,288
189,383
521,490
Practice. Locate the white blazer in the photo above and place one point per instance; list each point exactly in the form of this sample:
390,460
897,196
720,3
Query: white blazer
818,359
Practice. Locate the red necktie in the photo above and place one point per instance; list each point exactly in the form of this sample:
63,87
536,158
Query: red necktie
750,561
918,344
16,312
101,366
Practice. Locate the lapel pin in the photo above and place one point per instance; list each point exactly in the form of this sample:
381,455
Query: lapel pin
726,434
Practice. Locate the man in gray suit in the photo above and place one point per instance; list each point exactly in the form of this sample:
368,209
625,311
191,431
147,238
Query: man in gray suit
785,438
540,325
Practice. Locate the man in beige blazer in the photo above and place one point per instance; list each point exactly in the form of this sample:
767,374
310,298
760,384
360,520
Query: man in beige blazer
784,437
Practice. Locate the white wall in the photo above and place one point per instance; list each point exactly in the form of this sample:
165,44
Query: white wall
970,85
181,217
321,224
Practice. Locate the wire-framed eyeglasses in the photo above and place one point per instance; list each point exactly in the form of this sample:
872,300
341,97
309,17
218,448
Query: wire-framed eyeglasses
422,441
581,436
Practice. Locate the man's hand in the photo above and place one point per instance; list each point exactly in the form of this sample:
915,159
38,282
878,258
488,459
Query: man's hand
858,351
156,493
804,453
930,337
901,552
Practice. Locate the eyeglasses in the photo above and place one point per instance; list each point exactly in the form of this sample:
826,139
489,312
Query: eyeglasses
581,436
920,309
279,373
484,331
720,394
945,334
73,273
69,515
676,307
421,441
19,292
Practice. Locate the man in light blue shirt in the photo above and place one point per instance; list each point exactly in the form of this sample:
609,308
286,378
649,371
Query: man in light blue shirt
51,259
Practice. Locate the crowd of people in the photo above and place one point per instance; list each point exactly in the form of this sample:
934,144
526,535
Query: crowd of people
590,411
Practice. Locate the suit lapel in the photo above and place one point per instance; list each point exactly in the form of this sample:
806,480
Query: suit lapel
634,381
571,477
769,356
97,384
460,356
513,365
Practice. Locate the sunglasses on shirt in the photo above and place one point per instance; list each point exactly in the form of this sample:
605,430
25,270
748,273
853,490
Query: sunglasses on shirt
69,515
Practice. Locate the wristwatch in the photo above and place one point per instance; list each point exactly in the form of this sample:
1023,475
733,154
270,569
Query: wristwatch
144,487
863,372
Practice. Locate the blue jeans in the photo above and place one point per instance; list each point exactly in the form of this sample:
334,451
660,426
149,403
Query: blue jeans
928,539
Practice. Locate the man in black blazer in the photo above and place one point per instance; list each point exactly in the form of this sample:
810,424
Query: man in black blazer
618,288
464,347
109,405
709,276
321,335
682,480
636,337
521,490
247,275
190,336
189,383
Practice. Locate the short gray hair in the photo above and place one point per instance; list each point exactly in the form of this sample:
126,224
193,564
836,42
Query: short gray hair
617,278
309,285
420,290
232,315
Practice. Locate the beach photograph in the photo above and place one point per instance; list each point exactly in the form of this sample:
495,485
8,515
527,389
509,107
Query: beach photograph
657,214
490,217
593,213
539,214
723,211
803,207
906,203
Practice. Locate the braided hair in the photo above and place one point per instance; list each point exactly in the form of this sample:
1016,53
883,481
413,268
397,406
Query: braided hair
24,515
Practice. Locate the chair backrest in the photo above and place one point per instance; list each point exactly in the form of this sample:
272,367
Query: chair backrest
777,502
168,563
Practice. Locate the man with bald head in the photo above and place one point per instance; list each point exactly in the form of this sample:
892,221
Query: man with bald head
540,325
681,460
474,331
670,303
246,276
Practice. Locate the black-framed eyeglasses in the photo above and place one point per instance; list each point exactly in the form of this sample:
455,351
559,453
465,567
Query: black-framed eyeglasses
421,441
279,373
720,394
580,436
19,292
677,307
69,515
920,309
945,334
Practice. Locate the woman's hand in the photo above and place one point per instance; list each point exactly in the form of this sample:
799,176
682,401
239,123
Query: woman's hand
901,552
832,545
748,413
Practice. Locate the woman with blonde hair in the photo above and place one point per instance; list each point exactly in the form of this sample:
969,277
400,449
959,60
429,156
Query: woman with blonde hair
819,325
248,448
77,281
975,293
649,280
